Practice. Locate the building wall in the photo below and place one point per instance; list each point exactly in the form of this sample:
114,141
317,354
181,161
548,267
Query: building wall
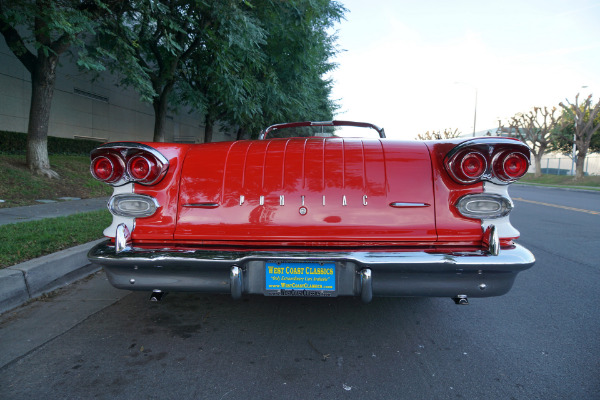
90,108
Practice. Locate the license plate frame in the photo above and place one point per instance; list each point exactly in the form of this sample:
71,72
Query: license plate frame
301,278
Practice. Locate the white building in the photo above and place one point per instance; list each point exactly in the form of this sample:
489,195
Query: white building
92,109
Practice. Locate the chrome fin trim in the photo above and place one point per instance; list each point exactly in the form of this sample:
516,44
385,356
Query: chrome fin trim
491,242
122,239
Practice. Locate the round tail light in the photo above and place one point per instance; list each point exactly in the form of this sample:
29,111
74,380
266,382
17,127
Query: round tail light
511,167
143,169
468,166
121,163
473,165
107,168
515,165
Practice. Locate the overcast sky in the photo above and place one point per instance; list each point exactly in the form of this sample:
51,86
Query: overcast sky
412,66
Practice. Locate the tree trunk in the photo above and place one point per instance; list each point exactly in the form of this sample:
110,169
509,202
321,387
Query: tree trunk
160,119
43,78
208,129
537,157
538,164
160,113
240,134
579,165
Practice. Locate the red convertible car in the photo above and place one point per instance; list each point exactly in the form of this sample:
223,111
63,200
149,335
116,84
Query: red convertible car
310,209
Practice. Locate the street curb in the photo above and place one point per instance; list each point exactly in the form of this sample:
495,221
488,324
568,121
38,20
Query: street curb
33,278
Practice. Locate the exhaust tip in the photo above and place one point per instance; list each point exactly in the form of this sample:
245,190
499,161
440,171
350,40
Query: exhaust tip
235,281
157,295
461,300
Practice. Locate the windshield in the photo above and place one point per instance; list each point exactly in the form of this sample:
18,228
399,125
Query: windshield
343,129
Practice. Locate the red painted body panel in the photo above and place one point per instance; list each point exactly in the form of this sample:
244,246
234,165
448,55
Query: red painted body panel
161,225
450,224
306,170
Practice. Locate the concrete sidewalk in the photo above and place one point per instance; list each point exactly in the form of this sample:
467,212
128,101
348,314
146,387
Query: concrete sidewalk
50,210
22,282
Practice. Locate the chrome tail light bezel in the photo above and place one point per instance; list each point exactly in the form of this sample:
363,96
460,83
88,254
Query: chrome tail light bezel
466,206
495,151
116,208
121,154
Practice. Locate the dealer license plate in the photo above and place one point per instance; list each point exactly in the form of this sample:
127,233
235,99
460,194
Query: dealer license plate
300,278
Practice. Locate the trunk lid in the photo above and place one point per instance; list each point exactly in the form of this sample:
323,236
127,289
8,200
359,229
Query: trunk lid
315,189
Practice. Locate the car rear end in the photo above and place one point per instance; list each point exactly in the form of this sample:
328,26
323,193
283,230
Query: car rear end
313,216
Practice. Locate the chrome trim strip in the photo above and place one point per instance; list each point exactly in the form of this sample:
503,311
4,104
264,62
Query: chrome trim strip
398,204
202,205
511,259
133,145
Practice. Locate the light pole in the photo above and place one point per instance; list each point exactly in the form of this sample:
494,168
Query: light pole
475,111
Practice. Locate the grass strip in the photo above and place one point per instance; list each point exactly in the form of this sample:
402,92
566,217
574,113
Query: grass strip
560,186
587,182
19,187
27,240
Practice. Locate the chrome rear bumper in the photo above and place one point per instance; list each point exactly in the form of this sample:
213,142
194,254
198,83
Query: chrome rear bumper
359,273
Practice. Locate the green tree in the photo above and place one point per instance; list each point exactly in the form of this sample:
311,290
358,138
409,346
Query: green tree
298,51
562,137
276,77
38,33
151,41
535,128
221,77
243,63
585,125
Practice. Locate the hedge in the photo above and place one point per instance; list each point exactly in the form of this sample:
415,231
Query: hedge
16,143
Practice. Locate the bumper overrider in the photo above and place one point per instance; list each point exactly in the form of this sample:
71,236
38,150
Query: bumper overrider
357,273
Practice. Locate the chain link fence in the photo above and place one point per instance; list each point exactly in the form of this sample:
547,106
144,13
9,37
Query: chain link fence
558,164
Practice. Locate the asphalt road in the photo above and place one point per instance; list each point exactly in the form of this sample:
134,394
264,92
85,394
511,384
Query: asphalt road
540,341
